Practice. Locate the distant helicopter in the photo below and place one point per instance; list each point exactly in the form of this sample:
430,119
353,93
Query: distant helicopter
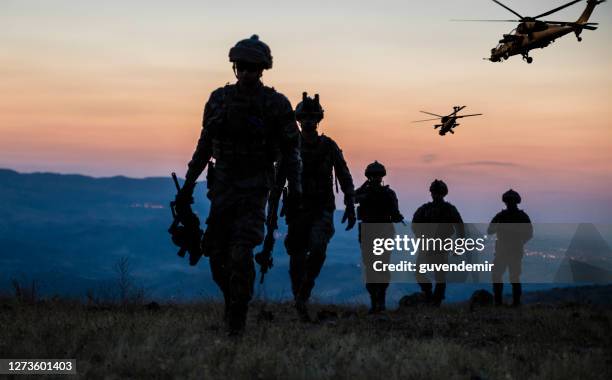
532,33
449,122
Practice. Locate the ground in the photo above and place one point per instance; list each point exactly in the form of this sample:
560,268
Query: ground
188,341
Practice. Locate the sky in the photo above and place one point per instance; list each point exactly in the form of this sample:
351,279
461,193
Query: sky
118,88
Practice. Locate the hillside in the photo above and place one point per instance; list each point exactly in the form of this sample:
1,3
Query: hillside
188,341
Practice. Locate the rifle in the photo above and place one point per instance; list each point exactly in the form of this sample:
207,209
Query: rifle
185,229
264,258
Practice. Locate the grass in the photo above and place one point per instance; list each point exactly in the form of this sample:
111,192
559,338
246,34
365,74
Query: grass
188,341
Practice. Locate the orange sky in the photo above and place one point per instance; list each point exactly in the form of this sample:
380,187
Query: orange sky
120,90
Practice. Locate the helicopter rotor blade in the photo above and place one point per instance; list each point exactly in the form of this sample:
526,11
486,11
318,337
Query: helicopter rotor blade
419,121
432,114
508,8
463,20
557,9
476,114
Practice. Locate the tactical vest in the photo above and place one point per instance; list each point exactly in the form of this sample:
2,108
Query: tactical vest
247,141
377,206
317,172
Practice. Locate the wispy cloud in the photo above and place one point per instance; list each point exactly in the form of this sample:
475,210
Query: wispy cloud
491,163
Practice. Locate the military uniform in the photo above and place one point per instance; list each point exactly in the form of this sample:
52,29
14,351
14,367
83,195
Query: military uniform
377,204
436,219
245,130
513,228
311,227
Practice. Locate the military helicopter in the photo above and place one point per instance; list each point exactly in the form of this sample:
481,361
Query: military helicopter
533,33
447,123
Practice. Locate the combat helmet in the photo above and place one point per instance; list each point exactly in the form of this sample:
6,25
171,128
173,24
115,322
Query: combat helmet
309,106
252,50
511,197
438,187
375,169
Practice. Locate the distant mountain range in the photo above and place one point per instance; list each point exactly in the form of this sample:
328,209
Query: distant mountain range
68,231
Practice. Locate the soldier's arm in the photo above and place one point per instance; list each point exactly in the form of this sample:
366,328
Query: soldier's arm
344,176
492,229
290,145
458,223
213,116
396,215
416,219
528,229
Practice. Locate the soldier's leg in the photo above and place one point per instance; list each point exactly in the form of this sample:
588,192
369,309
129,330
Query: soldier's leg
321,232
296,244
499,267
219,264
246,233
515,278
440,276
422,278
240,283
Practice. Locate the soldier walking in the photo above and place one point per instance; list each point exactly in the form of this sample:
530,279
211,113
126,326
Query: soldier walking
513,228
438,220
311,227
245,128
377,204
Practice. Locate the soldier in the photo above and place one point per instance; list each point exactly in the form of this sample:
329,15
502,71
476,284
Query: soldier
440,220
377,204
311,227
509,251
246,127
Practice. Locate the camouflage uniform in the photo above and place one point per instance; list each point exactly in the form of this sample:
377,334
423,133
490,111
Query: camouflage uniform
377,204
245,131
513,228
311,227
437,219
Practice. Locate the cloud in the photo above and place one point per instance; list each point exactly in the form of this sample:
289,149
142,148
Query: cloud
491,163
428,158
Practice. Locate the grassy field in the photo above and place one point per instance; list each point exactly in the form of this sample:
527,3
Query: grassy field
188,341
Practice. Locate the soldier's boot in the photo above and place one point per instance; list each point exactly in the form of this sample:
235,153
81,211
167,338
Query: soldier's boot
517,291
301,306
438,294
372,290
382,295
498,293
236,321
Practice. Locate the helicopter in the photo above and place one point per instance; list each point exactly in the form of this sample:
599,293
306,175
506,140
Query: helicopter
533,33
447,123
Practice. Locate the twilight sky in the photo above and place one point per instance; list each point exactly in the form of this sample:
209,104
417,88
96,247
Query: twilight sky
118,88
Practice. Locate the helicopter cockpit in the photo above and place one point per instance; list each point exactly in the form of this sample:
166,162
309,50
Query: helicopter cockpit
502,50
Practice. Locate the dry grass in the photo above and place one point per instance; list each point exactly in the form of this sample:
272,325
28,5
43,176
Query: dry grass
188,341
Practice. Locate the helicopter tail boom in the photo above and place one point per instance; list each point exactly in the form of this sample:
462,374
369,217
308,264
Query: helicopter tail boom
584,17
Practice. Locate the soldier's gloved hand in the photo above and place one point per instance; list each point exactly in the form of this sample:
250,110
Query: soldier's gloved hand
349,215
184,200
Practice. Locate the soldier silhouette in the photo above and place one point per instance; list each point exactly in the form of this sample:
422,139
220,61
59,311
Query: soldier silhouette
439,220
377,206
245,128
513,229
311,227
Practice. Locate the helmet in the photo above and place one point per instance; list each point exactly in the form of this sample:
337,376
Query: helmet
252,50
375,169
438,187
309,106
511,197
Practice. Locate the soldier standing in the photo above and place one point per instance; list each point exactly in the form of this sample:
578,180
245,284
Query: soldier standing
513,228
245,128
439,220
311,227
377,204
